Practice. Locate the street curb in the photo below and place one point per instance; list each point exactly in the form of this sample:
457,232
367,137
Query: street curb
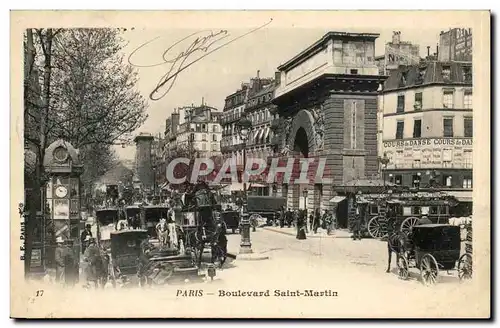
251,257
308,236
247,257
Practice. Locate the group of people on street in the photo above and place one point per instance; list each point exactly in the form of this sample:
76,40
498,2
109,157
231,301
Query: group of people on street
317,219
95,261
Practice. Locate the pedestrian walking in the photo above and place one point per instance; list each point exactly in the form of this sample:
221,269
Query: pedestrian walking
357,225
329,222
87,232
60,254
316,220
91,258
70,264
301,225
289,218
311,222
282,217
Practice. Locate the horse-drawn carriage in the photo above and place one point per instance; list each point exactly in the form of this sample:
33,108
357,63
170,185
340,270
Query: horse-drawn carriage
430,248
386,212
203,231
231,219
263,209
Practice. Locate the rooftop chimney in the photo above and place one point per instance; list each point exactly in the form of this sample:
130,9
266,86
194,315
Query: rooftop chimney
258,73
277,77
437,51
202,101
428,51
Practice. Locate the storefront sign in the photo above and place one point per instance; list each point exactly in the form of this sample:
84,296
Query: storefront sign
428,142
429,153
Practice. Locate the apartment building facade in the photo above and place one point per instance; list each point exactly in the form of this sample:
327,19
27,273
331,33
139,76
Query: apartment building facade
261,112
428,126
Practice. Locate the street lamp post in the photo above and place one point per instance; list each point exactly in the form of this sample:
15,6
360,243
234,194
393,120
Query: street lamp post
243,128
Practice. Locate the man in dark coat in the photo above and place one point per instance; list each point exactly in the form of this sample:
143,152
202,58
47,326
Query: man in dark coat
83,237
301,225
92,257
424,220
282,217
289,218
70,264
60,254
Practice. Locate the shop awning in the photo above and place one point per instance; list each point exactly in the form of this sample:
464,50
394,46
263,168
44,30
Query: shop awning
461,196
257,185
259,135
236,187
337,199
266,134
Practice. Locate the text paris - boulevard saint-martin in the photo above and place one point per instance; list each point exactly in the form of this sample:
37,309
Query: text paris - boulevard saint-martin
261,293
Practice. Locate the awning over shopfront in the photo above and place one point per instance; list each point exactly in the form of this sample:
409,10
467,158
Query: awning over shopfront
236,187
461,196
258,136
257,185
266,134
337,199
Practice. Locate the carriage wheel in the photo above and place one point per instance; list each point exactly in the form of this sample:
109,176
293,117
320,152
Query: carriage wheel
165,271
375,228
465,267
408,224
429,270
403,267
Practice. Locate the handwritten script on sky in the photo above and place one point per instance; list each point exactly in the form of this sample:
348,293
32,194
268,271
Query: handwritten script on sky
197,46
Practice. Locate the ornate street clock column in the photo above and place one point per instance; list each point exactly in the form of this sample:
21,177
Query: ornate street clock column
62,163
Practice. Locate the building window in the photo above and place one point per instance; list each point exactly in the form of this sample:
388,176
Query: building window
447,157
468,127
468,99
468,158
401,104
214,128
448,127
448,99
417,128
447,181
398,179
416,180
402,81
203,137
467,74
353,125
467,183
214,137
446,73
418,101
400,127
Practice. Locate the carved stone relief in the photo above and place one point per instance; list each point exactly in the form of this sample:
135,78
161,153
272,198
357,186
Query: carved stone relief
318,126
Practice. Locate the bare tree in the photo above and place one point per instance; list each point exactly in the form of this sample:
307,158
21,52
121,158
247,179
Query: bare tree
77,87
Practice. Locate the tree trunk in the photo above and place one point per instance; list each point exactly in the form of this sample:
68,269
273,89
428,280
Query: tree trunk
30,200
36,203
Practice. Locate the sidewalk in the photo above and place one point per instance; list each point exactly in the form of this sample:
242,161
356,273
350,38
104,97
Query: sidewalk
321,233
233,246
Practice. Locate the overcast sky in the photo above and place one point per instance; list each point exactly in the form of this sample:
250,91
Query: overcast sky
222,72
